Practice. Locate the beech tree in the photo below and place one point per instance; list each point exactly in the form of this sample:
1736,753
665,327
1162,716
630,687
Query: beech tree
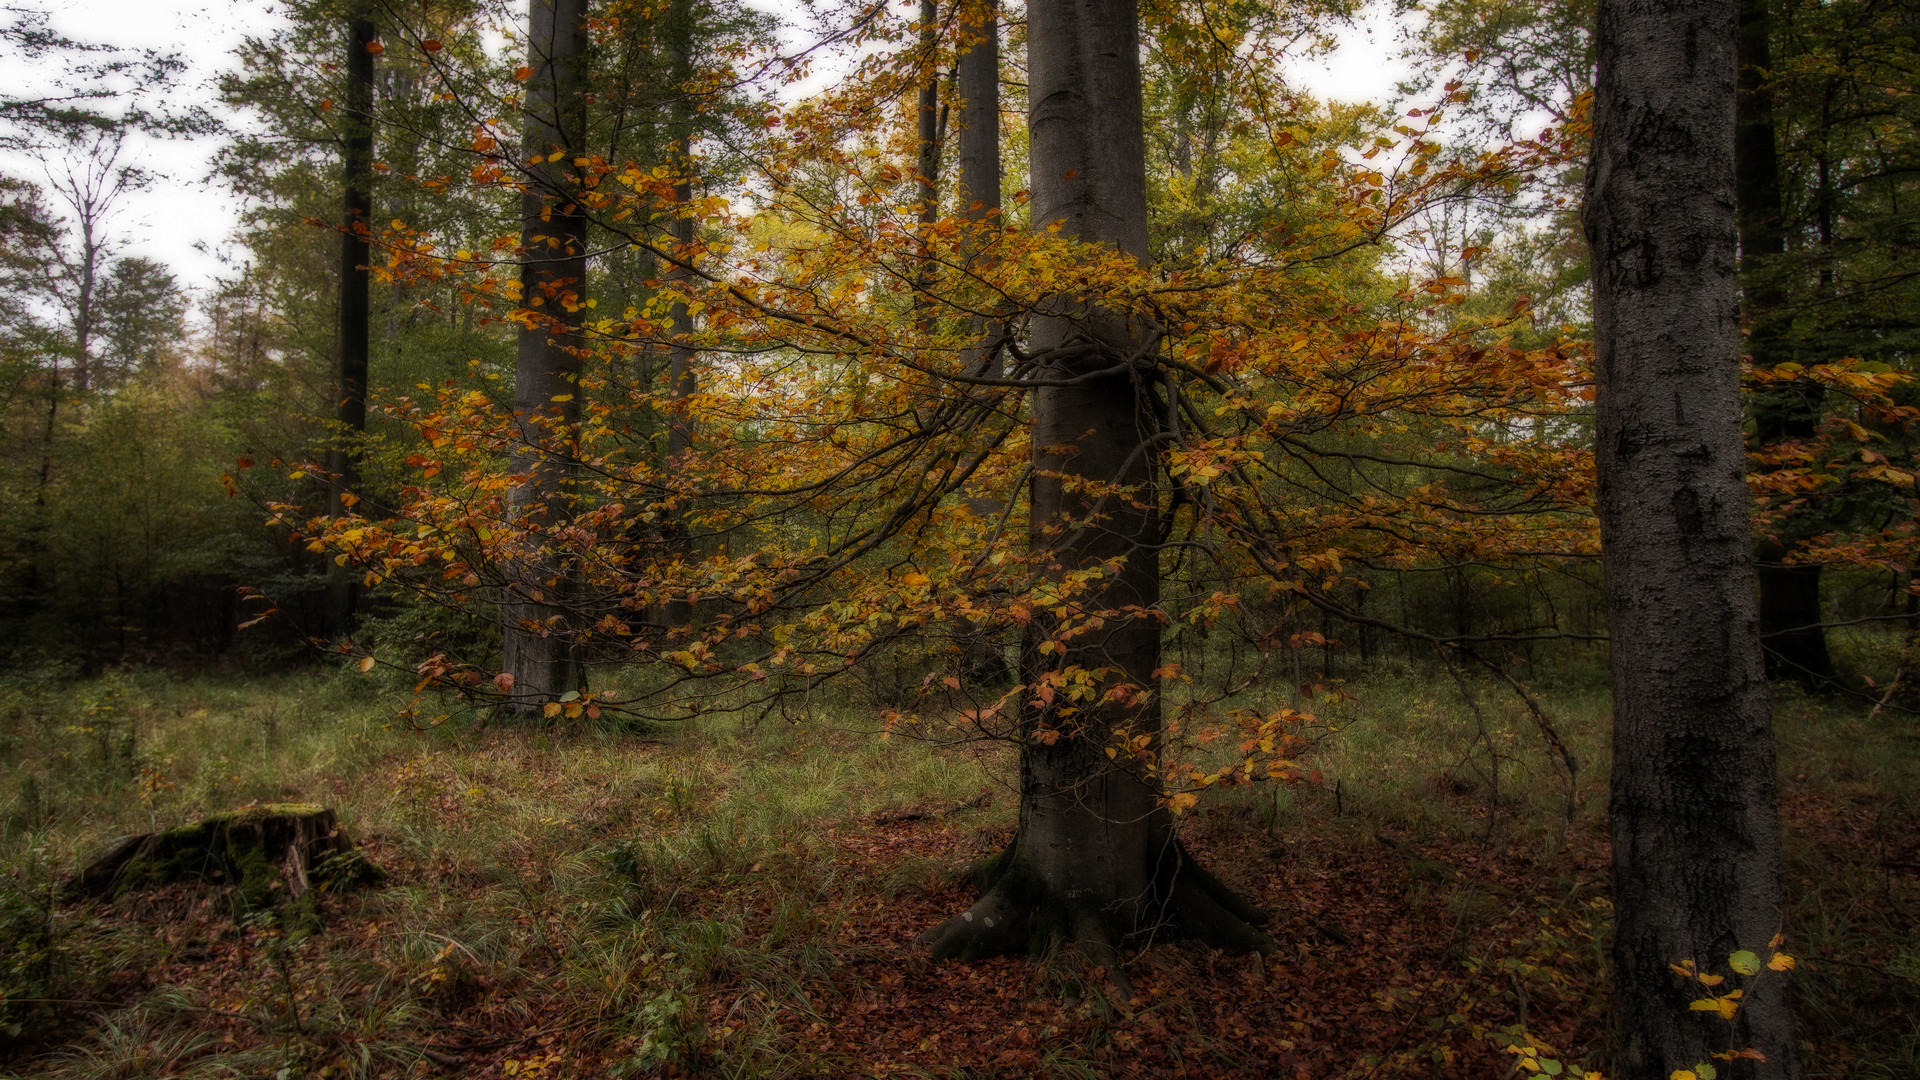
1095,861
546,387
354,346
892,396
1696,848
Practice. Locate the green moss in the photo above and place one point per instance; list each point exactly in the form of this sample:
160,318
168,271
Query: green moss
246,849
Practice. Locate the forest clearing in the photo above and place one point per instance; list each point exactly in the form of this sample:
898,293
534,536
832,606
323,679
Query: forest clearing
963,538
726,899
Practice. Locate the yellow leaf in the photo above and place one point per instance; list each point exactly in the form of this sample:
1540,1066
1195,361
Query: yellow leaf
1781,962
366,663
1683,1074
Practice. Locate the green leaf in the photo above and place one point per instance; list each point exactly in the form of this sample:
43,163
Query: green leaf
1744,962
1706,1071
1550,1067
571,695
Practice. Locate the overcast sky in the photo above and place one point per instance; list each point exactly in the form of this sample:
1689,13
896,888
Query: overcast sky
187,222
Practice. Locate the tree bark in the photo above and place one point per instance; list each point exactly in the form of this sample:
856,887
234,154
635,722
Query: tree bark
1696,853
683,379
977,82
1095,862
546,375
1790,631
350,392
928,163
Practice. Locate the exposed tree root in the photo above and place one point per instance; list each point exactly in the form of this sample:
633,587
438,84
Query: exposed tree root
1018,913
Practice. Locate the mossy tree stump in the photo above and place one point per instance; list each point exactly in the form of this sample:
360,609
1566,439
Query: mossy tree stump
280,851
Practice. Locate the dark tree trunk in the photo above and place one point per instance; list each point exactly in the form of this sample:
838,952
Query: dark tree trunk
1790,631
1696,851
546,376
683,379
1095,861
977,82
928,163
350,392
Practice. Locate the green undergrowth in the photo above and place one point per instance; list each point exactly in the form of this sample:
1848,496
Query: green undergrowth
685,894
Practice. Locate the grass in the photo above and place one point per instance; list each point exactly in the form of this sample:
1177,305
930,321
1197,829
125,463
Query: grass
738,900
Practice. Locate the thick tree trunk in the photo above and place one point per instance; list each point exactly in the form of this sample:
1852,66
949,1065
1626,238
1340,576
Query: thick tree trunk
1696,853
1095,862
546,376
350,393
1795,643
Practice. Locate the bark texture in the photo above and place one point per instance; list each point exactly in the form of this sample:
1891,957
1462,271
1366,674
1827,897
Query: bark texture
553,283
350,393
1790,617
683,378
977,82
1696,855
1095,862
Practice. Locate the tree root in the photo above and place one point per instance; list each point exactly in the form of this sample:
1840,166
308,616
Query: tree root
1016,913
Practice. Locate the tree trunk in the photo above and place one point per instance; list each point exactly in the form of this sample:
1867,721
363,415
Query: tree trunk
1696,852
683,380
1095,862
1790,631
977,82
350,395
928,163
546,376
90,256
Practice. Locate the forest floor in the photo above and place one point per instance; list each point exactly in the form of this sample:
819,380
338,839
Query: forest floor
741,900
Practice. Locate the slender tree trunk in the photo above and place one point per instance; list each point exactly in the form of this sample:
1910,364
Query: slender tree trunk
350,393
1095,861
683,378
546,375
977,82
928,164
1696,851
1795,643
930,121
90,256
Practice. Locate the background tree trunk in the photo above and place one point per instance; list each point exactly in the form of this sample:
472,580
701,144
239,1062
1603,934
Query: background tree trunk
1095,860
977,79
1795,643
1696,852
553,282
683,380
350,393
977,82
